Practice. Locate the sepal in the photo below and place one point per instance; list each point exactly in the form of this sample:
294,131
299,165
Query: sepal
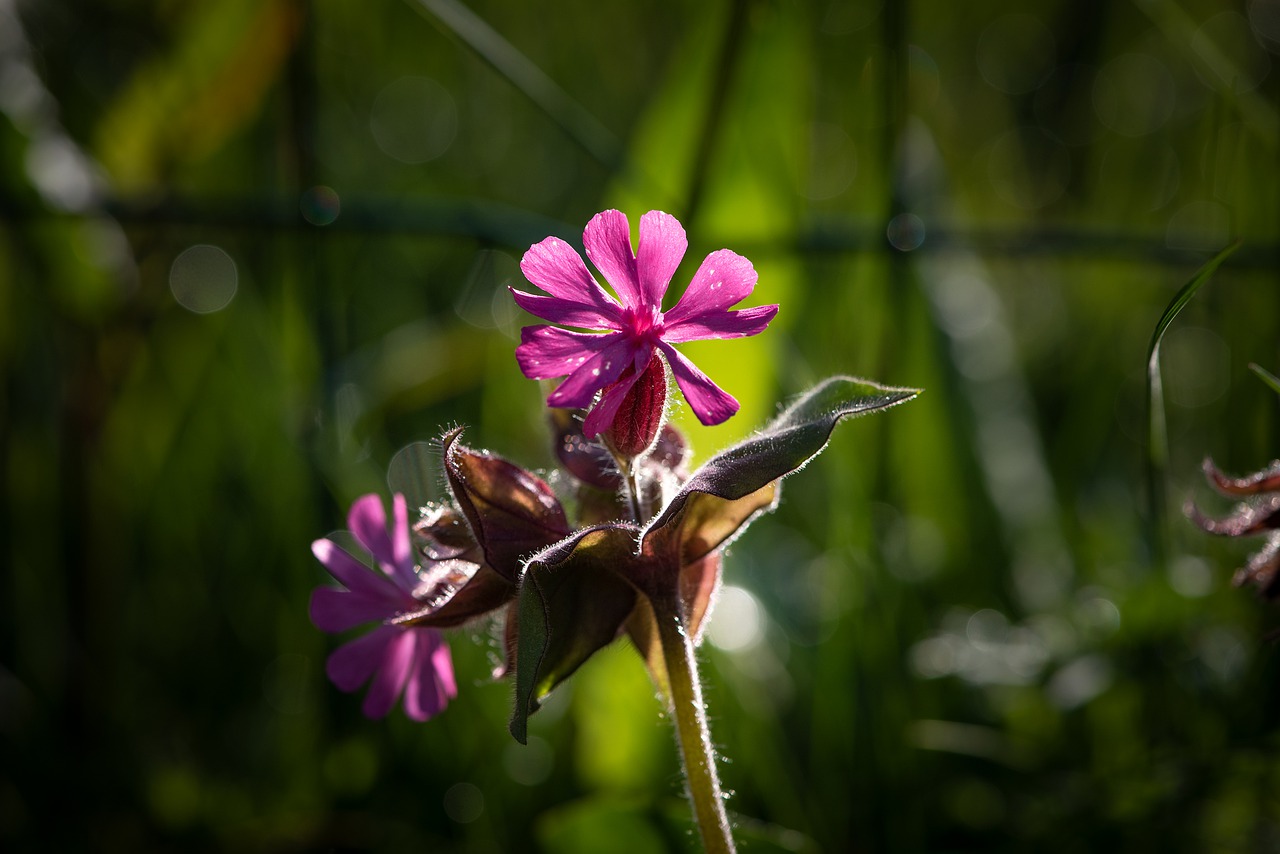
512,512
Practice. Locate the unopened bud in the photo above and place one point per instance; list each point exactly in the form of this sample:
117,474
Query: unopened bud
639,417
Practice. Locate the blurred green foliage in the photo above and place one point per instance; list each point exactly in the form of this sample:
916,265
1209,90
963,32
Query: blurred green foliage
248,250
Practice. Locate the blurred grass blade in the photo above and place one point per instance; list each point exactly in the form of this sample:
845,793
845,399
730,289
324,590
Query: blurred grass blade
1266,376
1157,435
1224,70
573,118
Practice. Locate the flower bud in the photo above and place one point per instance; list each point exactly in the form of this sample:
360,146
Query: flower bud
640,414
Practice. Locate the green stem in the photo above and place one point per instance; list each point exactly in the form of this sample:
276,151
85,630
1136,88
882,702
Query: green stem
692,735
633,490
631,480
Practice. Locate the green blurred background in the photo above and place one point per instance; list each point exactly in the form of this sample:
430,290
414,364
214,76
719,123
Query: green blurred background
249,249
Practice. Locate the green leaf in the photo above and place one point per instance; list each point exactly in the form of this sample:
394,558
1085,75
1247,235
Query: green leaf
1157,436
572,602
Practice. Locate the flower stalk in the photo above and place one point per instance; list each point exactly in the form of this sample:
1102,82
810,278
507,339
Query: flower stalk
642,555
688,713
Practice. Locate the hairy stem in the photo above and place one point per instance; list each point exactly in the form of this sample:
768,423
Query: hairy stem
631,481
692,735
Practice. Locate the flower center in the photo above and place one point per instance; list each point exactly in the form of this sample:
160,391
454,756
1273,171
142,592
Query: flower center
643,323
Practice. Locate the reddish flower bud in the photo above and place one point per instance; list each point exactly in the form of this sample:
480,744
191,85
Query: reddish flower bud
640,415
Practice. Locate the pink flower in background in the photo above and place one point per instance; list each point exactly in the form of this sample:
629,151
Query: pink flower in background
412,661
623,334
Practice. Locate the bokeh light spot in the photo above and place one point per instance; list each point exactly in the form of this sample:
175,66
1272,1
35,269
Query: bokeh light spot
483,300
320,205
1134,94
1264,18
1191,577
414,120
905,232
1016,53
464,803
203,279
1079,682
1199,226
1196,365
738,625
1226,53
528,764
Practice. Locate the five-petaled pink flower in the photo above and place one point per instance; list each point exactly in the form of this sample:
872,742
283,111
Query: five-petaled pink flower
625,333
401,659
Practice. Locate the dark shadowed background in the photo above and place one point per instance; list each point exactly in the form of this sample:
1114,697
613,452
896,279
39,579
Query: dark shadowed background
249,249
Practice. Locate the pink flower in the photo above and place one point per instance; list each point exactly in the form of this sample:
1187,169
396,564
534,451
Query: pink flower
412,660
624,333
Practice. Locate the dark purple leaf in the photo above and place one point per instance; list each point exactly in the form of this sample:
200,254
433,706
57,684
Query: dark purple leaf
572,602
733,486
455,592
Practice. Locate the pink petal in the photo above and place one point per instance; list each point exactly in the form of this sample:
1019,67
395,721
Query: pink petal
723,280
558,269
393,673
568,312
662,246
546,352
334,610
431,682
721,324
443,664
578,390
401,550
368,521
351,572
601,416
351,664
607,239
712,404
